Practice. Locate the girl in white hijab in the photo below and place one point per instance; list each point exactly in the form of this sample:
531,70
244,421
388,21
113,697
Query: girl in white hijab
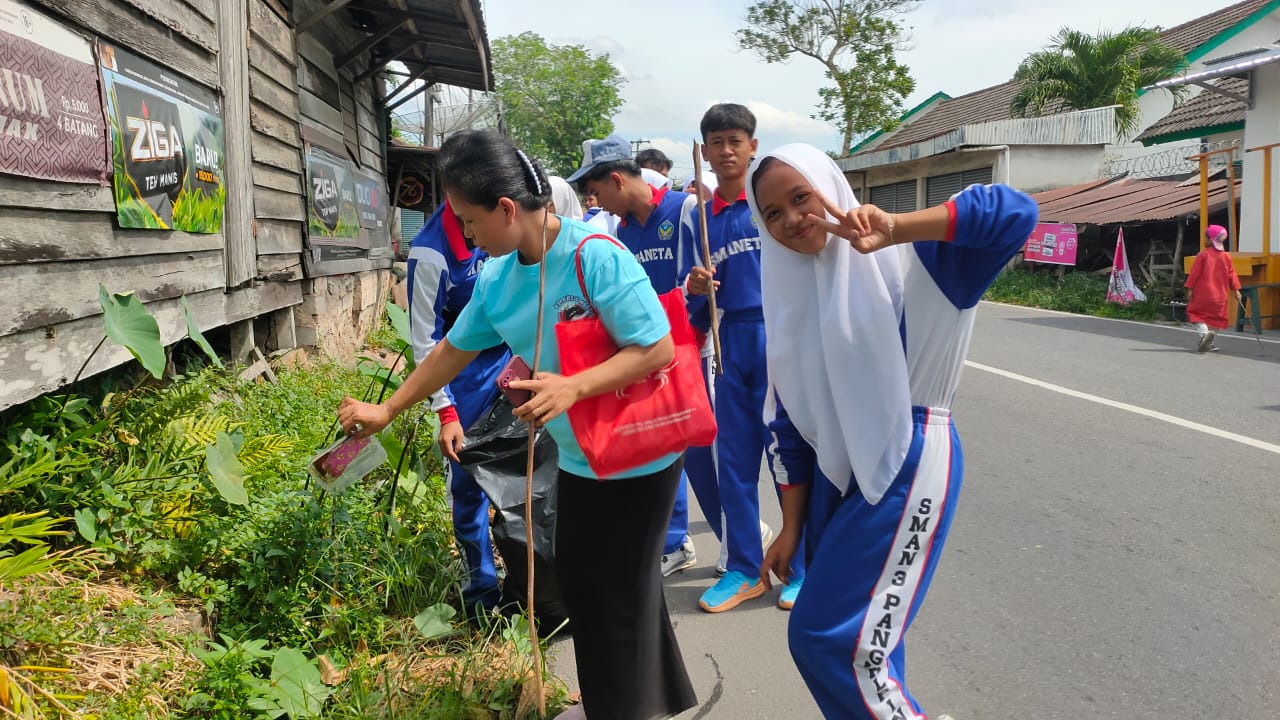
564,200
867,322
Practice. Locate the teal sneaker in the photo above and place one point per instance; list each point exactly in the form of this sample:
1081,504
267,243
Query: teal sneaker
790,592
730,591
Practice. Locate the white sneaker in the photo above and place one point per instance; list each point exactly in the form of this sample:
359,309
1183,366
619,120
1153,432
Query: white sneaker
682,559
1206,340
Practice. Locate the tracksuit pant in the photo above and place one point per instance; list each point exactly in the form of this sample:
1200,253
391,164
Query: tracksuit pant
741,440
470,508
869,570
700,469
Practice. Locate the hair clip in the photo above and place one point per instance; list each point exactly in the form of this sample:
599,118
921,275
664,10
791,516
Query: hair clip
533,173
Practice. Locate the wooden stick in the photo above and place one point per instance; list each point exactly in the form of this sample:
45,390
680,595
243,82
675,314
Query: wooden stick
528,484
706,257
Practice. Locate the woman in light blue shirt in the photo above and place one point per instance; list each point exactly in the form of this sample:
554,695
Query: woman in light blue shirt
609,532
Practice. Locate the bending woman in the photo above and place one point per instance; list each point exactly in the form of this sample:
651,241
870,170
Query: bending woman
865,347
609,533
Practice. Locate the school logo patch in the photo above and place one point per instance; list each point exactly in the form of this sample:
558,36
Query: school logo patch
572,307
665,230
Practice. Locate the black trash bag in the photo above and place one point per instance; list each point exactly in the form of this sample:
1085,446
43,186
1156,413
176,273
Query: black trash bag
494,452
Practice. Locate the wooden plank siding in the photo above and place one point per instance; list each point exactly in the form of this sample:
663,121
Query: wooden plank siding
42,294
34,236
58,241
350,125
18,192
279,176
44,359
148,32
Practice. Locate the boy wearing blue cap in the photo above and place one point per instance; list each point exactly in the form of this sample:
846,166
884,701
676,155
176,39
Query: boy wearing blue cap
654,223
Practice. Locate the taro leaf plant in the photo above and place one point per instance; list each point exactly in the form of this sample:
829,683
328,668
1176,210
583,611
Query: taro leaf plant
127,322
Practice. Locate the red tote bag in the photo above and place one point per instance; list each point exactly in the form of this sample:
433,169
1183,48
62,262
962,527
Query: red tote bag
666,412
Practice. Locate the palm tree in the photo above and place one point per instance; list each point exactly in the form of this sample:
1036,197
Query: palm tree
1080,71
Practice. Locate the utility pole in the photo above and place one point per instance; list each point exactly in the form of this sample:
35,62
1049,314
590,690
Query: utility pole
635,146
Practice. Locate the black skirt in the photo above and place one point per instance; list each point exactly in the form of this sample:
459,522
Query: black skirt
609,537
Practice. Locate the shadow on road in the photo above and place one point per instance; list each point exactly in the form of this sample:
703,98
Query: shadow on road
1236,345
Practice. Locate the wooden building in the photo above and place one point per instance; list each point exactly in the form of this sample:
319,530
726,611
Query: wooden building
295,81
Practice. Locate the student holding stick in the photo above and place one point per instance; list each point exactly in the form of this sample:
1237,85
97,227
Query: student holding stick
728,131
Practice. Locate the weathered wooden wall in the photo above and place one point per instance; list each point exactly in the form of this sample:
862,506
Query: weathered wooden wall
332,104
58,240
279,199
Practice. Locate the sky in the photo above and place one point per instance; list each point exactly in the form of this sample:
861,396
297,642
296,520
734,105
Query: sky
680,56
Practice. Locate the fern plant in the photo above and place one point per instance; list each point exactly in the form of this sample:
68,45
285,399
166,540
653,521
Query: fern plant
25,467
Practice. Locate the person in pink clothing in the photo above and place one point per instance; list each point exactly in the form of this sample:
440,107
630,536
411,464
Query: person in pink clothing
1212,277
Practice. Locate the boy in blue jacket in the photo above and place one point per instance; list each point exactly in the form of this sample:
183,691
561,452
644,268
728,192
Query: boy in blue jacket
654,223
443,267
728,134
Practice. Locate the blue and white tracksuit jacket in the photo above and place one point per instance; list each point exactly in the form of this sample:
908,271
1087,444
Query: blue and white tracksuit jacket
870,565
442,273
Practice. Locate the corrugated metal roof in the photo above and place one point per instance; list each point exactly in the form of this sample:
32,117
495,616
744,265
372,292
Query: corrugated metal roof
1127,201
992,103
1206,109
1085,127
442,41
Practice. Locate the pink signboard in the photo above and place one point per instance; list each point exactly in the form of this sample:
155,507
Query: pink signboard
1052,243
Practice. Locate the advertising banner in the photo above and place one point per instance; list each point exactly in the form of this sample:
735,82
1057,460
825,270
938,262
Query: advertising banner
1052,243
51,124
166,146
333,214
369,200
1122,290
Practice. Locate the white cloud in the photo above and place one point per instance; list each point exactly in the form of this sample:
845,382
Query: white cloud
680,152
673,68
776,121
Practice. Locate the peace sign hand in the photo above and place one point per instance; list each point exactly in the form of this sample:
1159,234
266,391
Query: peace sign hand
866,227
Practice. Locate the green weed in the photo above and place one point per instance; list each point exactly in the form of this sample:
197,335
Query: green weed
1076,292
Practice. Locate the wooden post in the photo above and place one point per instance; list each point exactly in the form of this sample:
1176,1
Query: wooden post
706,259
1177,252
1204,184
283,330
240,246
242,342
1266,193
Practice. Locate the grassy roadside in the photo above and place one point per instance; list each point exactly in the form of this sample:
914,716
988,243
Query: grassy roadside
1076,292
193,571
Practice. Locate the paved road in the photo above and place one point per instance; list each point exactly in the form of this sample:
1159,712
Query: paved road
1103,562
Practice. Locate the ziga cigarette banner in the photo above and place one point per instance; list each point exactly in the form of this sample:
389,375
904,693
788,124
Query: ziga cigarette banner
166,146
50,116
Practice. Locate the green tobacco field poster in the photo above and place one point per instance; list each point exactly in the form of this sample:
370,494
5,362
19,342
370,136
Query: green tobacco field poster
166,146
331,196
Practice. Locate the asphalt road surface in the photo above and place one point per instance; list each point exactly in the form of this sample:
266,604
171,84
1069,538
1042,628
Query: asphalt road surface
1115,553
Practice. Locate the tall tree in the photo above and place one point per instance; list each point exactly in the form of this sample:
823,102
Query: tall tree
555,96
855,40
1079,71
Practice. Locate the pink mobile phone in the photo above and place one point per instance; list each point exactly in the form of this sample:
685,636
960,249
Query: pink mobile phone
516,369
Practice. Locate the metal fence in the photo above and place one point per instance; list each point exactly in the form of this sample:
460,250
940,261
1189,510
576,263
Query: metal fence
1169,162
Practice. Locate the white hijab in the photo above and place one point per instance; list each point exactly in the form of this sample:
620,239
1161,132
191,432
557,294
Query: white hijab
833,344
655,179
565,198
